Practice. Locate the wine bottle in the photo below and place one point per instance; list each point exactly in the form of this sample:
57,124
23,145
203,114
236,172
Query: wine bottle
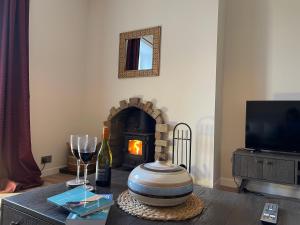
104,162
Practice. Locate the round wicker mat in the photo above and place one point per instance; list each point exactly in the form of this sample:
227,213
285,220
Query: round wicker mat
191,208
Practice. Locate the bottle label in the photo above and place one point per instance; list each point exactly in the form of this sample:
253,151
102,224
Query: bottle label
104,174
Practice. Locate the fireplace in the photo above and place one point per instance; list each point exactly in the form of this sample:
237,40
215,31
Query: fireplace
132,138
136,130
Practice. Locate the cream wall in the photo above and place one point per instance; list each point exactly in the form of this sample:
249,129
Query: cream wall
219,92
57,66
185,89
261,61
74,58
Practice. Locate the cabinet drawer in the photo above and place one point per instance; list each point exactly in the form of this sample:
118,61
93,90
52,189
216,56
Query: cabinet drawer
286,173
280,171
14,217
255,167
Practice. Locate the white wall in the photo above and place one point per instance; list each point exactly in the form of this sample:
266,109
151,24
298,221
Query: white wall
57,65
261,61
186,87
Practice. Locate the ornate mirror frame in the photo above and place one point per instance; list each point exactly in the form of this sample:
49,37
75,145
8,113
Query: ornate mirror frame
156,32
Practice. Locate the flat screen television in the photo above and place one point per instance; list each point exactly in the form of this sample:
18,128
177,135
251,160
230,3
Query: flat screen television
273,126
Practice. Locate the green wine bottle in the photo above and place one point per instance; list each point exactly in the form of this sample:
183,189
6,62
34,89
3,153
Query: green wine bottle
104,162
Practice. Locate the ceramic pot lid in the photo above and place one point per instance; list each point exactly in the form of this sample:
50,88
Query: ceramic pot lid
162,167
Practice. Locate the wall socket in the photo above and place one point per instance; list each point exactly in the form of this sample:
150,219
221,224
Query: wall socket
46,159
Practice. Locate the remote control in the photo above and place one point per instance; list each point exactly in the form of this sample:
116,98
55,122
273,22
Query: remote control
269,214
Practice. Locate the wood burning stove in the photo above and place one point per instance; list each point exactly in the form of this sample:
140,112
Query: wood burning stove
132,138
138,148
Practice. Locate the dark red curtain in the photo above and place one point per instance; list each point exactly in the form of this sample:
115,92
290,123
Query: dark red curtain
132,54
15,144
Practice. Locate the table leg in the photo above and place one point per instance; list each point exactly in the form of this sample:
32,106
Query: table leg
243,185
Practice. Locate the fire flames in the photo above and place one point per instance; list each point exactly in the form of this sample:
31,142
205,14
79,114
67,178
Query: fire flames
135,147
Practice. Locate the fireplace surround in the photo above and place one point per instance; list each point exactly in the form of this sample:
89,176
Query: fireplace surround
138,133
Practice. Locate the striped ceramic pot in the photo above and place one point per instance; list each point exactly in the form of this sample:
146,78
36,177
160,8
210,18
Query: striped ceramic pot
160,184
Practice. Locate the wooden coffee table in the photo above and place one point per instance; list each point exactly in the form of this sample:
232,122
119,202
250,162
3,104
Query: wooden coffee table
221,208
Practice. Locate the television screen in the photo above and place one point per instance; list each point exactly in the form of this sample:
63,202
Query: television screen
273,126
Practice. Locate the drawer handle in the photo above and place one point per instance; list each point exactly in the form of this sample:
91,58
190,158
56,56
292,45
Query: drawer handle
269,163
259,161
14,223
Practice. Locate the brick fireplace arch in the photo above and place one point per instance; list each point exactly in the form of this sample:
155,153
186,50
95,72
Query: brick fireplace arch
161,142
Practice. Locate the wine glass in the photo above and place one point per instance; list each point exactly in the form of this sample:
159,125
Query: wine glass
87,148
74,150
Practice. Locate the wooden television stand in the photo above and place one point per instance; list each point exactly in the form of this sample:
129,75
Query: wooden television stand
277,168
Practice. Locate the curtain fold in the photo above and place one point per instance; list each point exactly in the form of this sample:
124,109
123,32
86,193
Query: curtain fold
15,140
133,54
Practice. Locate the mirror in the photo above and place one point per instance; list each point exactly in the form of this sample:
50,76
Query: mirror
139,53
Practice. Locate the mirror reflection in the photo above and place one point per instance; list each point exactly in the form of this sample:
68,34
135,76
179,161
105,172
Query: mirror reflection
139,53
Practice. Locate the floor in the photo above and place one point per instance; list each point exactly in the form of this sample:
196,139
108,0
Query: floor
224,188
57,178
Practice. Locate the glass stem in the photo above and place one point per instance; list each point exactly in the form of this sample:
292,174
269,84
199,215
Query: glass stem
78,171
85,174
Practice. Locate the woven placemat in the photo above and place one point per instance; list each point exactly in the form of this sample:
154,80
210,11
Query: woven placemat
191,208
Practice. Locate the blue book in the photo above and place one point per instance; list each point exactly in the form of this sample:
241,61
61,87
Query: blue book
98,218
81,201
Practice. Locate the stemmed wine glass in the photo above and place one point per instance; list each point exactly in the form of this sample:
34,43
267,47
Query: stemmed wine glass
87,148
74,150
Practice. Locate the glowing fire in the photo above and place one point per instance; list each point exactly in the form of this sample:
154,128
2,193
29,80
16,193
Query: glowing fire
135,147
